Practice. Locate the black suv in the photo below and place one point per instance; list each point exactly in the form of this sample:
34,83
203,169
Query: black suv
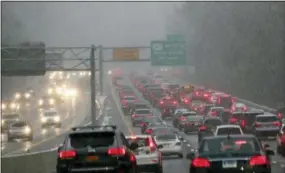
96,149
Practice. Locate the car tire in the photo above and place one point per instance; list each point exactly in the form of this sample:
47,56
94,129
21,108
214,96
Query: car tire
159,169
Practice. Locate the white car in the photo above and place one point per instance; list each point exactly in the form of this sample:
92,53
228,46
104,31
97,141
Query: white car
169,144
50,118
215,111
228,129
147,154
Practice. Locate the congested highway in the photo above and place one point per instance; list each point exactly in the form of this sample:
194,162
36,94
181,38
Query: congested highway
73,111
171,164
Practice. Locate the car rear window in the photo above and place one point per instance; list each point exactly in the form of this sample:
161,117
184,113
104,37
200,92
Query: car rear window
166,137
10,116
213,122
229,130
102,139
232,147
142,112
266,119
19,124
50,114
142,142
129,98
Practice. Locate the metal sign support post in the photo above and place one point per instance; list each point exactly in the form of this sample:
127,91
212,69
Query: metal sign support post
93,85
101,69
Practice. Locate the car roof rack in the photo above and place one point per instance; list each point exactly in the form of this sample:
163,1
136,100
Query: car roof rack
93,127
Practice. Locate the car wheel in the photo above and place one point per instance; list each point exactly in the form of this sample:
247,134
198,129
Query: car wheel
159,169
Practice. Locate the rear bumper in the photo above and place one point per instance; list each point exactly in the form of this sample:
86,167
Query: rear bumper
171,151
148,167
262,133
22,135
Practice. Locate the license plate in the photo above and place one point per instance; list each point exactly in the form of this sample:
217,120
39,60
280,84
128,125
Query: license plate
92,158
230,164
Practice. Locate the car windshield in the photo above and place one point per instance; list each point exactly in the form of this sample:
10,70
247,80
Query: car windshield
229,147
10,116
166,137
100,139
143,112
50,114
266,119
19,124
229,130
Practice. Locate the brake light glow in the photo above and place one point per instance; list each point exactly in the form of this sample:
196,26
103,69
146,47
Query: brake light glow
67,154
148,131
279,115
277,124
257,124
202,128
151,144
132,158
214,113
197,93
244,108
283,139
258,160
206,95
240,142
242,123
200,163
117,151
175,102
186,101
161,102
134,115
182,118
233,120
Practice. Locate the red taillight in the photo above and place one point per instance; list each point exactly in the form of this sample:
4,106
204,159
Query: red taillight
279,115
283,139
148,131
67,154
134,115
132,158
206,95
214,114
175,102
161,102
151,145
117,151
257,124
123,102
197,93
244,108
202,128
186,101
182,118
233,120
201,163
243,123
258,160
277,124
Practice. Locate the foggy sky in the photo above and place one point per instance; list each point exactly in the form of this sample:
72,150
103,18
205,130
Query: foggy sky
86,23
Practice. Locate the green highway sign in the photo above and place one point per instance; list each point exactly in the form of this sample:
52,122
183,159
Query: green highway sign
175,37
164,53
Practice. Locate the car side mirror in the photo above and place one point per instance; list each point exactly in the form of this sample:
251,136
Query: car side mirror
180,138
160,146
190,156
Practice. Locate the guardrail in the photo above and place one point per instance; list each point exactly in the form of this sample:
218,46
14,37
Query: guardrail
36,162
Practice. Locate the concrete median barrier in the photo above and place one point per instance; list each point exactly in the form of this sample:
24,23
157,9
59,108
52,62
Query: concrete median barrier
40,162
